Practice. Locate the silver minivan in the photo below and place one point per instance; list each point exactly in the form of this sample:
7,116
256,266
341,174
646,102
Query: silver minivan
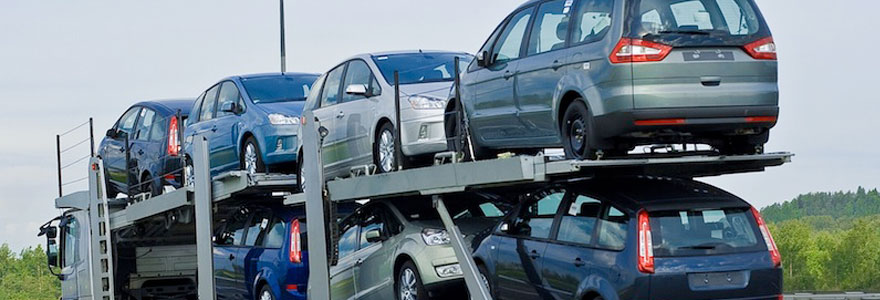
355,102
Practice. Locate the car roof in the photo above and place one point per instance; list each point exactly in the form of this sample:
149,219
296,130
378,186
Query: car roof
383,53
661,193
169,107
527,3
268,75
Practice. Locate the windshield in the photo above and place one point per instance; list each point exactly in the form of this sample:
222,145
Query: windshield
278,89
732,21
704,232
420,67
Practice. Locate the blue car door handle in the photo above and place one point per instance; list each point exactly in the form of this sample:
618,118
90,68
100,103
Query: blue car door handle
556,65
534,254
508,74
578,262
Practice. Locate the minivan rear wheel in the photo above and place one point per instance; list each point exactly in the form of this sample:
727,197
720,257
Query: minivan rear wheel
577,128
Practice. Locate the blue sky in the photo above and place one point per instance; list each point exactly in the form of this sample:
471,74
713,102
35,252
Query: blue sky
62,62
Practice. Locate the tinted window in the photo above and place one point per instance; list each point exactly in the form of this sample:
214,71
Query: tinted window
420,67
579,221
373,219
207,110
233,232
348,240
510,42
315,93
278,89
459,206
330,93
612,229
358,73
257,228
145,124
592,20
704,232
715,17
126,123
194,113
157,134
228,94
550,29
536,218
275,236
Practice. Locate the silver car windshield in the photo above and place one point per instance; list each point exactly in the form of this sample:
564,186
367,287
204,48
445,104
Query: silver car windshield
420,67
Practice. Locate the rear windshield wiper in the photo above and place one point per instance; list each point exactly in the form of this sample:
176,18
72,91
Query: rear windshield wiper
695,32
699,247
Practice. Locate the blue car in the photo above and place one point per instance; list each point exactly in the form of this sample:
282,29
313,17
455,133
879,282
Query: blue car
152,129
260,252
251,122
631,238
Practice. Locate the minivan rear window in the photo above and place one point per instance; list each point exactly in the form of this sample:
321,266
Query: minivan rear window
704,232
732,21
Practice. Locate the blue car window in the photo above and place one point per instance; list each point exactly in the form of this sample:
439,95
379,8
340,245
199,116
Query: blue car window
257,228
158,132
612,229
275,237
275,89
592,20
536,218
207,110
145,124
550,29
126,123
330,93
348,240
510,43
228,94
579,221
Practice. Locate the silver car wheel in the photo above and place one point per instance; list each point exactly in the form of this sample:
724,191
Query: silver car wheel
386,151
250,159
189,176
485,282
408,285
266,295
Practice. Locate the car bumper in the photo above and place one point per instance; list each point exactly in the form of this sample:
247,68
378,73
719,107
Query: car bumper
422,132
432,258
280,144
685,125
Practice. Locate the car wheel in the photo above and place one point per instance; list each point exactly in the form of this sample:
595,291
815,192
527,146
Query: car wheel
148,185
409,283
189,176
266,294
465,144
300,180
484,277
576,129
384,152
251,159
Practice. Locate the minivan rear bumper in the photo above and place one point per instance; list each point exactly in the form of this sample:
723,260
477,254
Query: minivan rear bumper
702,125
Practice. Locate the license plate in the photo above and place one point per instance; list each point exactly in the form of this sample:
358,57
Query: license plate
708,55
718,280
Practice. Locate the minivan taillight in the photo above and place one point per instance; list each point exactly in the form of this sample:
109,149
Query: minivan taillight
646,245
762,49
173,137
635,50
295,242
768,239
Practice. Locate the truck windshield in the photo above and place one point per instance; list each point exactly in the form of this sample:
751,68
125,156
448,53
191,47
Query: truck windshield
728,20
278,89
420,67
704,232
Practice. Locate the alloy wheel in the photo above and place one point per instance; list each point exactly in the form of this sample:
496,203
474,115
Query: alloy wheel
250,159
189,176
408,285
386,151
265,295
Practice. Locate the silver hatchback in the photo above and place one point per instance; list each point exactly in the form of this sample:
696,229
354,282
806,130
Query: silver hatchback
355,101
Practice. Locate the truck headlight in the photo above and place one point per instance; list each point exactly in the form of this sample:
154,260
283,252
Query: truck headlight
279,119
449,271
426,102
435,237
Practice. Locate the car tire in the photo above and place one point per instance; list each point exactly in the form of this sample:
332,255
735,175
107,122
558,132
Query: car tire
408,284
484,276
300,182
251,158
189,176
148,184
576,129
384,149
265,293
466,143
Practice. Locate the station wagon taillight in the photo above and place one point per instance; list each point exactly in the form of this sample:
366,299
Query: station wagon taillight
646,244
173,137
295,242
768,239
635,50
762,49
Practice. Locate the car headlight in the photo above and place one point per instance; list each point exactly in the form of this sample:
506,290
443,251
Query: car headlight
426,102
449,271
279,119
435,237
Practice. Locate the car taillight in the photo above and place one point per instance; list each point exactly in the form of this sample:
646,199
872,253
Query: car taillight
768,239
173,138
636,50
762,49
646,245
295,242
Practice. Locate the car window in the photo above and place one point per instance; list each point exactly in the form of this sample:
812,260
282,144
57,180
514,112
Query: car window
612,229
126,123
330,92
348,240
145,124
373,219
536,218
157,133
207,110
592,20
509,44
228,94
579,221
194,112
358,73
704,232
550,29
691,14
256,229
233,232
71,243
738,17
275,234
315,93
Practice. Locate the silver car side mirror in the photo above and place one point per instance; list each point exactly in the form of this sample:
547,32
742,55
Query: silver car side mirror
356,89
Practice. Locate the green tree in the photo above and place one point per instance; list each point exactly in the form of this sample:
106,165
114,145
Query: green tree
26,276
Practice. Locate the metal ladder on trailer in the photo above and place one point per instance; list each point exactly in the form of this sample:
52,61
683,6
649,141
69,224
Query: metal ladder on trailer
100,244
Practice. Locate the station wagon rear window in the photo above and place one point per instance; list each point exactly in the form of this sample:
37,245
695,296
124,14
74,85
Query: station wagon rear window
733,21
278,89
704,232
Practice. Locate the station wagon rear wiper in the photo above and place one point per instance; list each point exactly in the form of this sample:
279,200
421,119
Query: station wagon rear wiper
699,247
696,32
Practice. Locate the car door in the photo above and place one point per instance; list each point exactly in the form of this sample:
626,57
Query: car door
342,283
252,252
539,73
493,116
205,124
328,114
115,147
521,250
569,259
228,271
144,152
356,116
373,270
225,131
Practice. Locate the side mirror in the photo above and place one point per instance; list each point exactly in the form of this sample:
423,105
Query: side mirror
52,252
51,232
112,133
374,236
230,107
505,227
357,89
483,59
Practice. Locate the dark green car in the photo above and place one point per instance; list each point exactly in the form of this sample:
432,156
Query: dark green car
600,77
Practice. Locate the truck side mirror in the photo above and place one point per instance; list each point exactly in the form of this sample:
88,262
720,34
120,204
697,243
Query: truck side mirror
52,253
